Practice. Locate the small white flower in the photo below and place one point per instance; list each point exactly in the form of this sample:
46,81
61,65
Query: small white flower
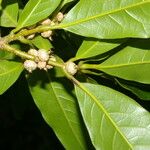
60,16
46,34
30,65
46,22
71,68
33,52
43,55
41,64
30,37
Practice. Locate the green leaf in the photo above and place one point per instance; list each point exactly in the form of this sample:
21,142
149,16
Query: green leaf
42,43
66,2
113,120
36,10
9,13
106,19
131,63
9,73
140,90
58,106
6,55
90,48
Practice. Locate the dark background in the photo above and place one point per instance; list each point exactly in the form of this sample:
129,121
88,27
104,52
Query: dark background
21,124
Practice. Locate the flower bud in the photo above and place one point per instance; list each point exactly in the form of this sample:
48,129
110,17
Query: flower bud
30,65
30,37
46,22
71,68
46,34
43,55
60,16
33,52
41,64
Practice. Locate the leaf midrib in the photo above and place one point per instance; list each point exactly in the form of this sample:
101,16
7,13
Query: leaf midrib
121,65
21,25
11,18
87,51
63,25
98,103
64,113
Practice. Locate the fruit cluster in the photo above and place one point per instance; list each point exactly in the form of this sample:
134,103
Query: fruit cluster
42,57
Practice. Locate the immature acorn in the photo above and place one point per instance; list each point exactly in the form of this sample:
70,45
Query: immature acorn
46,22
30,37
30,65
60,16
43,55
33,52
46,34
41,65
71,68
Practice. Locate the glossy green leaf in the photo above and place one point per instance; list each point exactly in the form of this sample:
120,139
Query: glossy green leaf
90,48
140,90
114,121
66,2
9,13
9,73
36,10
109,19
57,103
42,43
6,55
131,63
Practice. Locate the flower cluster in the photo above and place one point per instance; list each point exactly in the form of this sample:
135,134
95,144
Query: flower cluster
47,22
42,57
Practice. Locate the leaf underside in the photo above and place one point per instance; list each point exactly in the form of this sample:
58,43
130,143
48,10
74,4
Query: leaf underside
9,73
109,19
58,107
131,63
113,120
9,13
91,47
36,10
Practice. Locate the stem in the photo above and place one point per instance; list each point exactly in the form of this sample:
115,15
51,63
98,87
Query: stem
25,41
56,64
17,52
25,32
88,66
70,77
79,84
25,55
92,73
28,56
